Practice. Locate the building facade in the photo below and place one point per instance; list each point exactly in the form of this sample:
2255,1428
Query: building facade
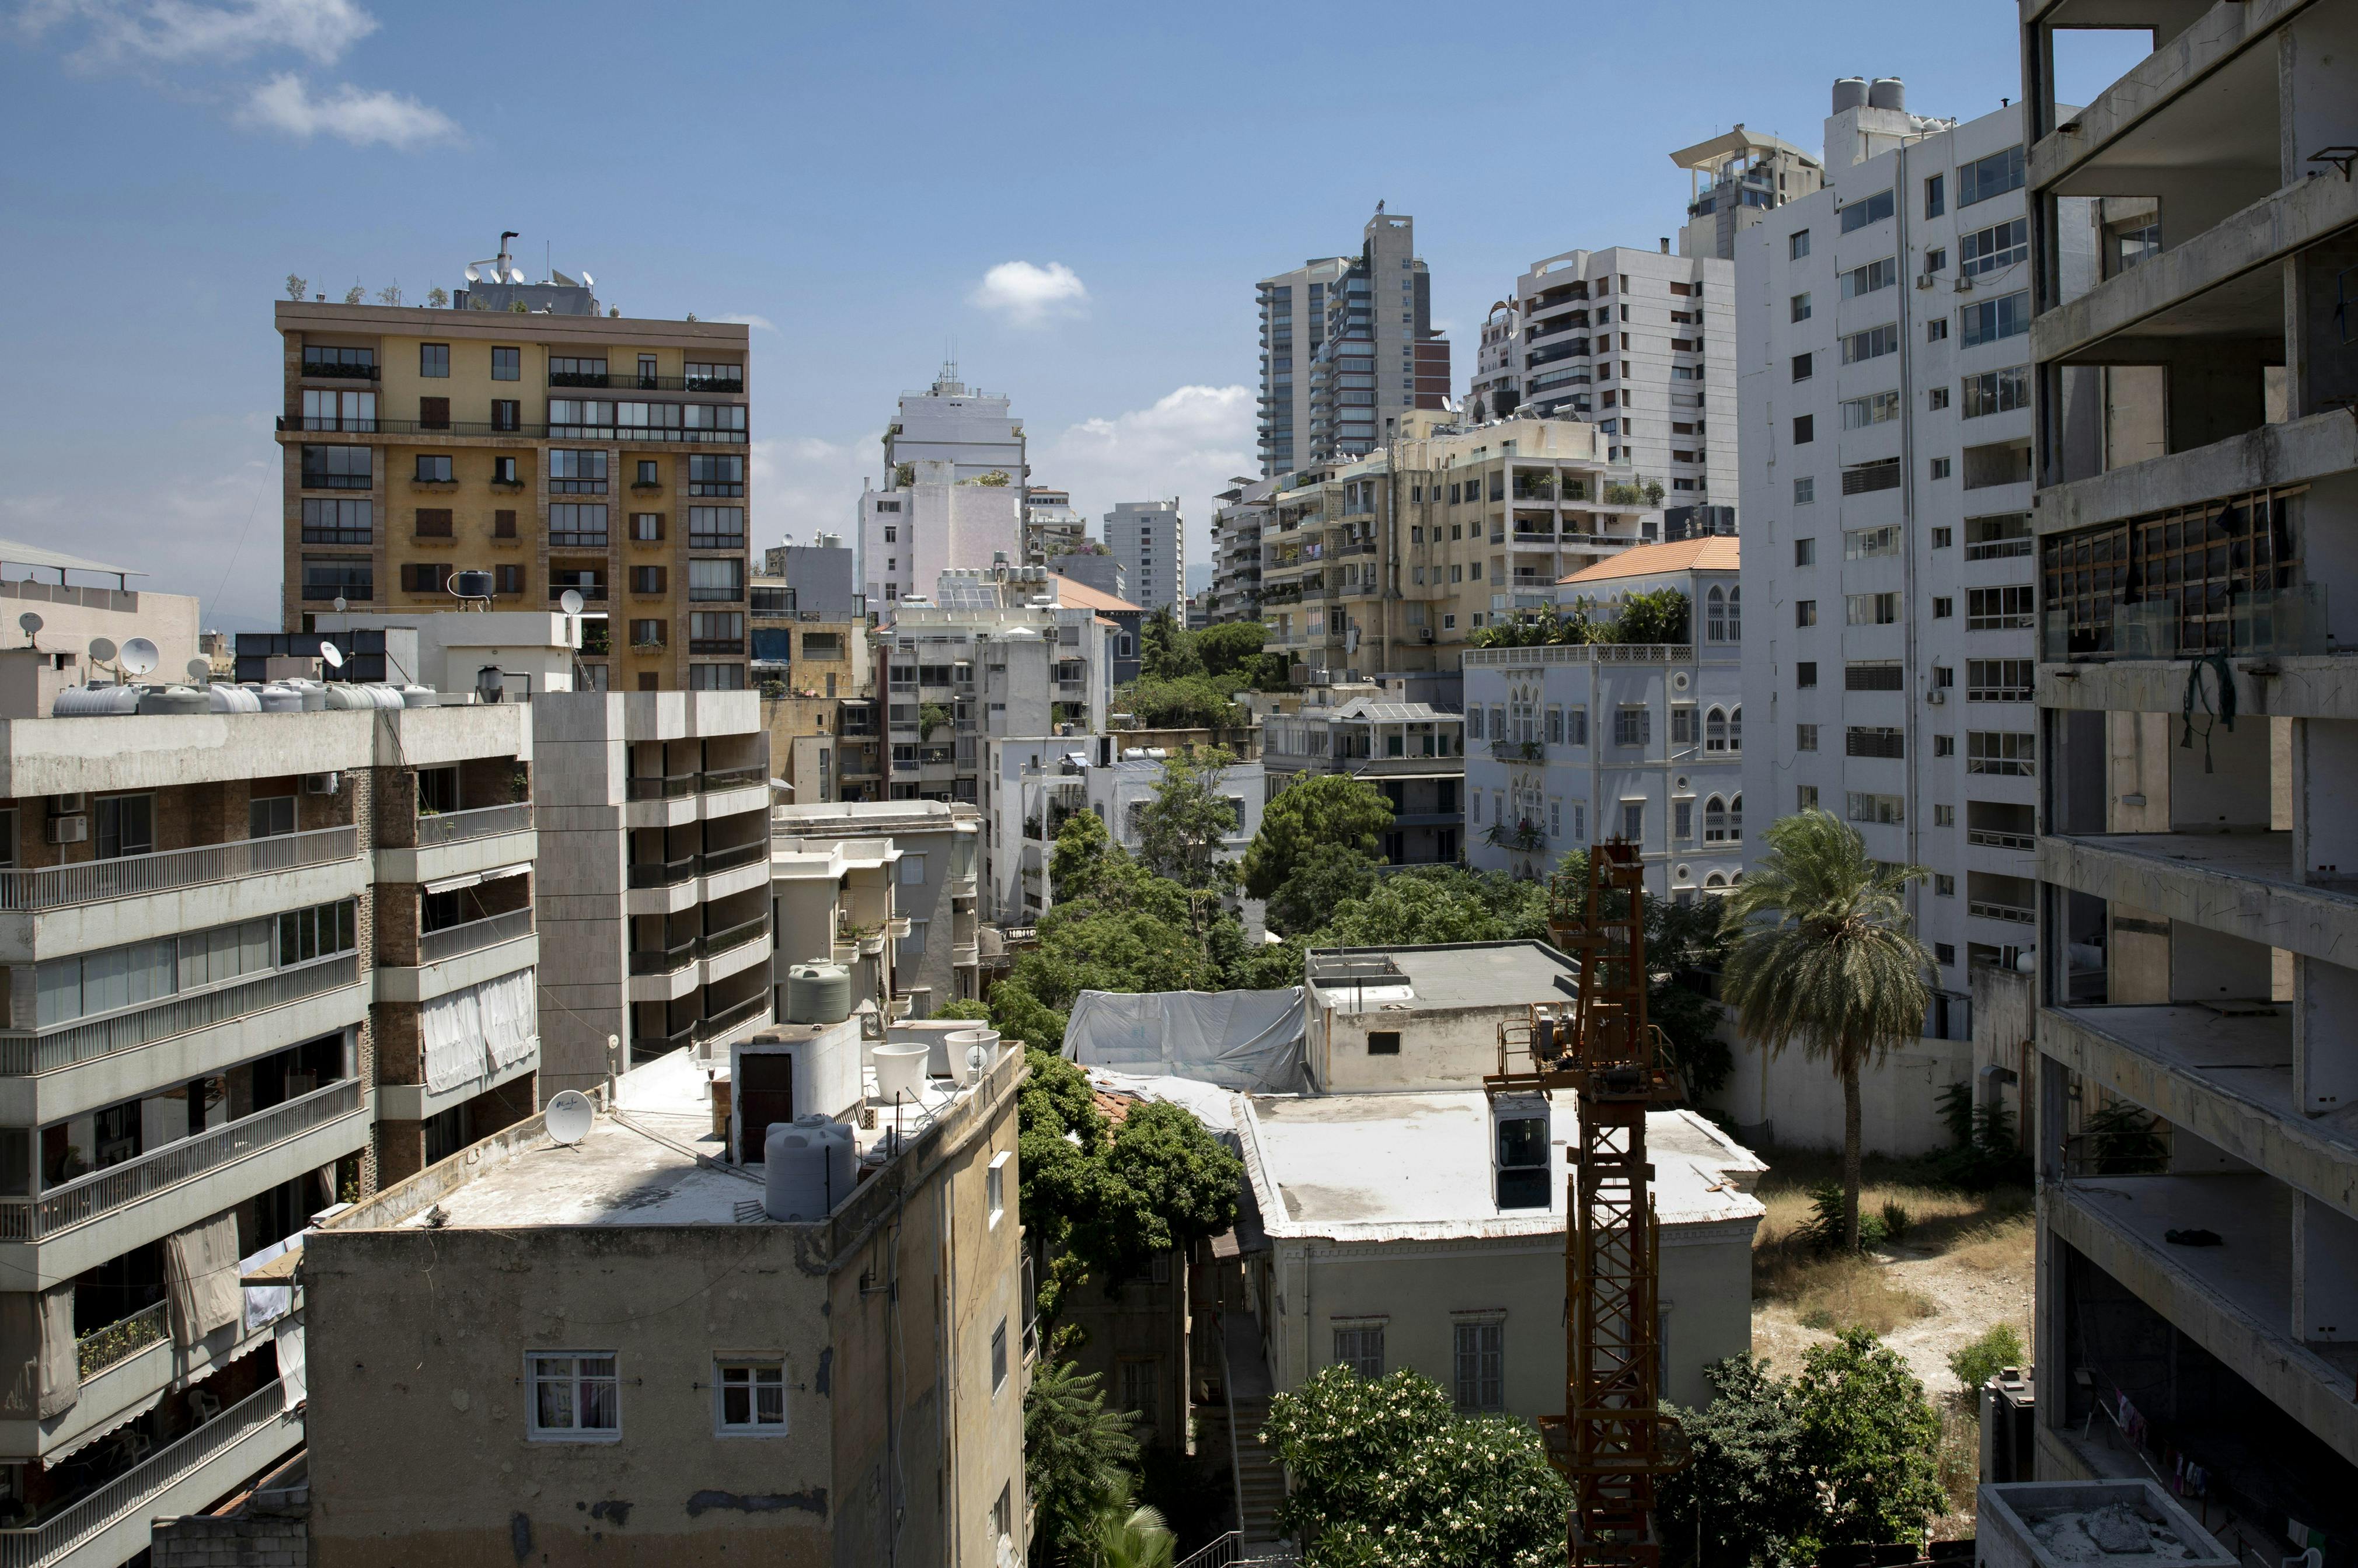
953,496
811,663
2188,243
553,451
1292,310
1149,539
1570,744
1403,736
1886,470
1050,526
1237,524
1735,178
929,853
1380,356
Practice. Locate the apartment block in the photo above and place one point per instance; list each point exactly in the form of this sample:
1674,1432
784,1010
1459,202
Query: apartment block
1402,734
888,889
2192,232
1050,526
1149,539
1738,177
954,491
1379,357
549,449
242,994
1285,302
1571,743
1887,567
1391,563
653,815
1237,524
1639,343
812,663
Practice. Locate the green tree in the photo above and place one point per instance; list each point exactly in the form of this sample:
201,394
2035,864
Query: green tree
1408,911
1329,808
1686,945
1827,956
438,296
1076,1459
1231,649
1133,1538
1736,1502
1166,651
1973,1365
1659,616
1184,702
1083,847
1324,879
1385,1472
1181,830
297,286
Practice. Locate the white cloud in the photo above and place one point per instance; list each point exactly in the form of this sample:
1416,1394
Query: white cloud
1027,296
167,32
286,104
1189,444
759,323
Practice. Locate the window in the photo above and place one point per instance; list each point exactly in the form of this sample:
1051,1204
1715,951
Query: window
647,633
576,472
1991,539
432,522
1936,329
1801,367
1805,490
577,526
1576,726
721,581
357,364
2005,751
1874,277
1995,248
1998,609
1141,1379
1865,479
1800,306
716,631
1988,320
1874,675
266,817
1936,196
1633,725
337,467
324,410
507,365
1941,467
1715,616
1682,724
999,1357
716,527
1936,258
1861,807
576,1395
1806,429
1944,817
1999,680
647,527
716,476
1805,612
1871,610
507,579
1806,675
1943,537
1683,818
648,579
716,678
1481,1358
328,520
425,576
1805,797
994,1184
328,580
1997,391
1944,745
1874,210
1943,607
1871,344
126,825
1874,408
1805,552
433,468
1874,740
1992,176
1859,543
1633,820
1361,1348
1805,737
1797,245
751,1398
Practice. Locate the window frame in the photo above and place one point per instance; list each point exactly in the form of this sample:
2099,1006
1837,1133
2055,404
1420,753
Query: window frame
533,1380
722,1367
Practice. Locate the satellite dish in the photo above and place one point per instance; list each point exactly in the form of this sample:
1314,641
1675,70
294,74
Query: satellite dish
333,655
569,1116
343,604
473,277
101,649
571,601
200,670
29,622
589,282
139,655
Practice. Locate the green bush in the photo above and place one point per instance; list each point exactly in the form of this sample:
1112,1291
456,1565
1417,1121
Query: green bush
1823,1229
1897,1222
1977,1363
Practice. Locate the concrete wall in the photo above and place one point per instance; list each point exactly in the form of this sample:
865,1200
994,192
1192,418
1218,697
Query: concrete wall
1792,1102
1441,1048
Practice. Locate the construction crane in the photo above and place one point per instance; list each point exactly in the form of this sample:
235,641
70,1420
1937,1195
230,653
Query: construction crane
1612,1442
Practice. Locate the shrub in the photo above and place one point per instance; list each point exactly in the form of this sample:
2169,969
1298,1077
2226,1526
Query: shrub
1977,1363
1823,1228
1897,1222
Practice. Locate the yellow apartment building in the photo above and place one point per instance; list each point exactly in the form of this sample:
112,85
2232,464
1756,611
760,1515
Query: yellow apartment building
548,447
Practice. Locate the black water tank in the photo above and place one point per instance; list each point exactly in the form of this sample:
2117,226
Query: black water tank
471,585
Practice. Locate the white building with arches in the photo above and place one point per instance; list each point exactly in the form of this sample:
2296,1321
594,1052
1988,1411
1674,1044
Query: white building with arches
1570,744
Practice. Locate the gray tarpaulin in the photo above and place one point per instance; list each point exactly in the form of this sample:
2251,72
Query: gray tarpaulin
1248,1041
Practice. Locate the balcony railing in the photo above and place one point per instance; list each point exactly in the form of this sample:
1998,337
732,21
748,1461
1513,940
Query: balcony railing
632,381
1990,839
626,435
731,778
1519,750
661,873
728,1018
25,1051
129,876
2283,622
662,787
2007,912
663,960
28,1546
714,861
433,946
119,1341
103,1192
481,822
315,371
1525,835
713,944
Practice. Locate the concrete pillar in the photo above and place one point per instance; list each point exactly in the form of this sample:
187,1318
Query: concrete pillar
2325,831
2324,1055
2324,1271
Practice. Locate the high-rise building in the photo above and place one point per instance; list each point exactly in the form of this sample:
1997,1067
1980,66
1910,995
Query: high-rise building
811,662
1237,524
1149,541
1293,307
1736,178
522,435
1886,569
1380,357
1050,526
954,497
2193,975
952,423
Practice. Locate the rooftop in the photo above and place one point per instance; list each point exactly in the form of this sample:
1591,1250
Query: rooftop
1075,593
1382,712
1377,1167
1736,143
1712,553
1449,975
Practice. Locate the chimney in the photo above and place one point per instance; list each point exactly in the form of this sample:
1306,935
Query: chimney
1666,244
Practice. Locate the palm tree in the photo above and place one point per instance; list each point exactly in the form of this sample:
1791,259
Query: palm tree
1134,1537
1828,955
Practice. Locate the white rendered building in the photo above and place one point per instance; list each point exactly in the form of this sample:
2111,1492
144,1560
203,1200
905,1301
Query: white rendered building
1147,538
1570,744
954,490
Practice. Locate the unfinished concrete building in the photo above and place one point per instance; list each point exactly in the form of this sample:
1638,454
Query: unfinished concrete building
2193,229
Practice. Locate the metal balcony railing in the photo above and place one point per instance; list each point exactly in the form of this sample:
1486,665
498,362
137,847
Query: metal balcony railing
662,787
663,873
25,1051
2007,912
713,861
119,1341
713,944
480,822
730,778
129,876
663,960
1519,750
103,1192
29,1546
433,946
1992,839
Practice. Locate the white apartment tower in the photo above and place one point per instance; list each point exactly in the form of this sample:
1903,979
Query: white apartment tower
1885,469
1293,307
953,491
1146,538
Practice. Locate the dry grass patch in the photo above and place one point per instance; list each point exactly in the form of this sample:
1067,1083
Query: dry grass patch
1831,1292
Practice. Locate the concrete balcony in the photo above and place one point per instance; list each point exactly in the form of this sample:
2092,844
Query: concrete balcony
674,799
2244,884
2300,686
454,843
107,904
671,887
124,1366
70,1070
110,1526
83,1222
461,956
416,1102
2299,451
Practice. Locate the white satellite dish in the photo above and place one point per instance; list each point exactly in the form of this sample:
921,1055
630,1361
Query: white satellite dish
200,671
333,655
570,603
101,649
569,1116
589,282
139,655
343,604
29,622
473,277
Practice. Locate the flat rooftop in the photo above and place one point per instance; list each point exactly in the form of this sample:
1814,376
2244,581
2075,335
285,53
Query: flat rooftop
1377,1167
1456,975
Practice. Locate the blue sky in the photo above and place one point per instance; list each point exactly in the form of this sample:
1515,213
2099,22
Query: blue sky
848,178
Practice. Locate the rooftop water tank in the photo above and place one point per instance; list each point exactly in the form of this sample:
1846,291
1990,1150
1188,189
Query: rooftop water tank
174,699
1850,92
818,993
1888,92
973,1052
471,585
278,697
314,694
234,698
83,701
900,1070
811,1165
415,695
355,694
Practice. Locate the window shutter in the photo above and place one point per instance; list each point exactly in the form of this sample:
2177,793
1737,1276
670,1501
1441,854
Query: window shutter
504,524
511,579
434,413
433,522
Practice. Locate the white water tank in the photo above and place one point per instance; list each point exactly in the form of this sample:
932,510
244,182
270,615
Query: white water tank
278,697
84,701
234,698
415,695
314,694
973,1052
174,699
810,1167
900,1070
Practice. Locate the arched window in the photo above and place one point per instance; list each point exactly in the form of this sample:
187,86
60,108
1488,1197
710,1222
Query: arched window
1714,821
1736,615
1715,881
1736,818
1736,729
1714,731
1715,615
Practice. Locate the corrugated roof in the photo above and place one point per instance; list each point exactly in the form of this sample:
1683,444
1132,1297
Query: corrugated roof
1712,553
17,554
1078,595
1392,712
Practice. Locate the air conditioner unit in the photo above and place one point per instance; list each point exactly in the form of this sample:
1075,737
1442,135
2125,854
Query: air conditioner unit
1964,285
73,829
67,805
1925,280
1936,697
321,784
